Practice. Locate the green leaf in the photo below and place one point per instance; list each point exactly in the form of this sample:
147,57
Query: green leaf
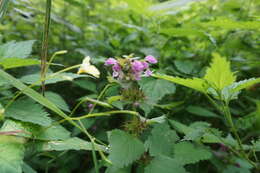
219,74
200,111
125,149
14,49
194,83
164,164
28,130
57,100
155,89
88,85
28,169
11,155
182,32
68,144
27,110
227,23
237,86
54,132
51,78
186,67
188,153
9,63
163,146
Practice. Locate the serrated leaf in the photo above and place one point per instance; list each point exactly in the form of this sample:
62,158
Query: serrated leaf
219,74
9,63
14,49
164,164
54,132
187,153
57,100
237,86
194,83
27,110
69,144
163,146
125,149
155,89
11,155
28,130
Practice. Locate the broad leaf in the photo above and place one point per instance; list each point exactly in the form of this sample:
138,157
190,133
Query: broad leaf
188,153
9,63
155,89
237,86
16,49
164,164
68,144
219,74
194,83
11,155
57,100
27,110
163,146
125,149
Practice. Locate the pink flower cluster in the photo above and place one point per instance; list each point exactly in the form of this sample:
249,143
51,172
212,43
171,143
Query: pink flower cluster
131,67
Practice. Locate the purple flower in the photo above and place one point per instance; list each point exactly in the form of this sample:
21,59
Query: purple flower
148,72
110,61
137,75
90,106
137,66
151,59
145,65
116,67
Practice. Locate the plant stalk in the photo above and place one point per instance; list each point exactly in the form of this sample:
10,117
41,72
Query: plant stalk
44,51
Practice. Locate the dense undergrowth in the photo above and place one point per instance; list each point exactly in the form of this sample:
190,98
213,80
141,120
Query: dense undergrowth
122,86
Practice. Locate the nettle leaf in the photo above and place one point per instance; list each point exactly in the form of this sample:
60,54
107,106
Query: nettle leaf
9,63
11,155
125,149
219,74
188,153
69,144
28,130
164,164
54,132
57,100
27,110
155,89
161,140
194,83
237,86
198,131
14,49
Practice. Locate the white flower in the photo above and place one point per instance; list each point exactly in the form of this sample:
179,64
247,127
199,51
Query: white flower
86,67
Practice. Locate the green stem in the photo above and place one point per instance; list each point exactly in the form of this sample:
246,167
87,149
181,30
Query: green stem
44,52
105,114
228,117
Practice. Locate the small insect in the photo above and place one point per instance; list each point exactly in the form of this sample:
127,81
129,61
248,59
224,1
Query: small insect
86,67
